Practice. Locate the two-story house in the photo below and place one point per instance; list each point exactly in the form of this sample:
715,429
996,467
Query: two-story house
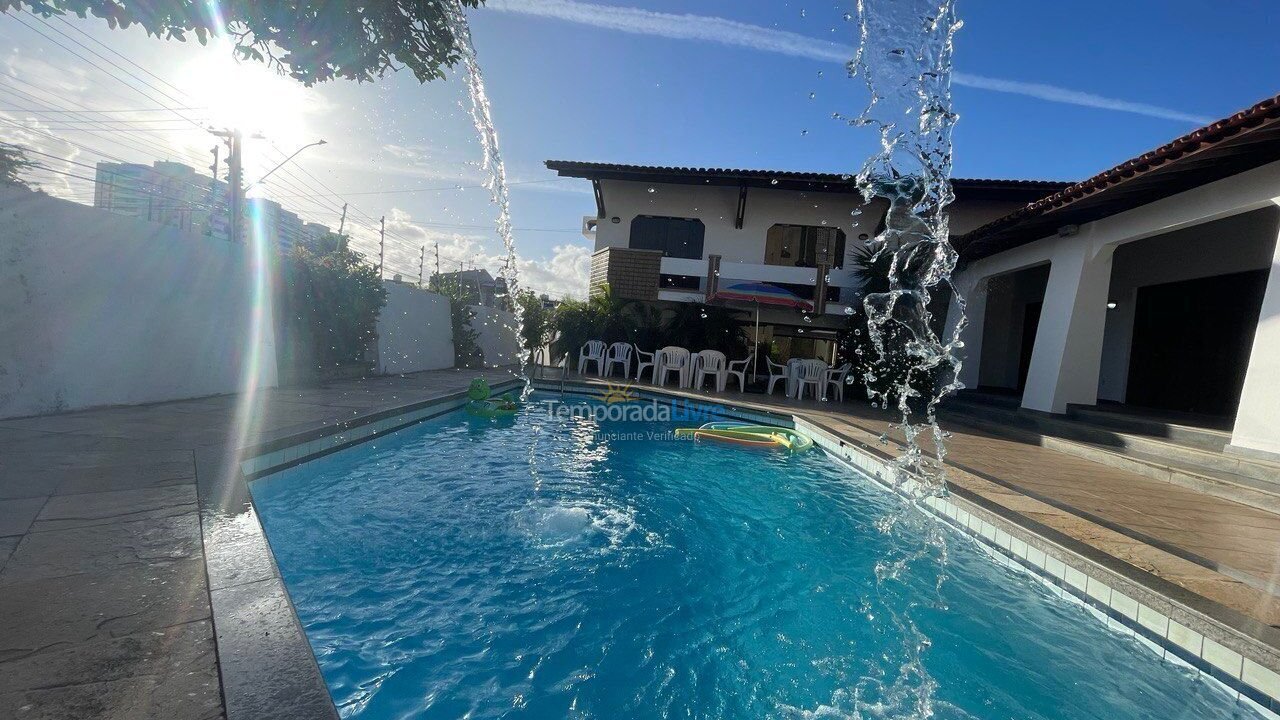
772,241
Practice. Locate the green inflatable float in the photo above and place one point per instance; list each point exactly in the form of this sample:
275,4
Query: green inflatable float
482,406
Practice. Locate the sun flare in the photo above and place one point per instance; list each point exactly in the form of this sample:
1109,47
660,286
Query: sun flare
249,96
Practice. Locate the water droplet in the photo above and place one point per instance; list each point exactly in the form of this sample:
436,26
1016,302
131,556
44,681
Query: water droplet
848,379
819,73
824,222
848,309
813,95
804,132
773,181
848,17
808,319
802,12
653,190
704,314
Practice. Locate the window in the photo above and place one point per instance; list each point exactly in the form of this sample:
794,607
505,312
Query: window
675,237
804,246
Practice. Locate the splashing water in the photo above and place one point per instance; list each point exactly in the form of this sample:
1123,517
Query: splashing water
496,182
905,59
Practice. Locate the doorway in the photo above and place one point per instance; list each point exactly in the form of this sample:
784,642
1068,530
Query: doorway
1030,322
1191,342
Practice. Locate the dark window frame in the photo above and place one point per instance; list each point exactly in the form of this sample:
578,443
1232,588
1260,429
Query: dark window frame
674,236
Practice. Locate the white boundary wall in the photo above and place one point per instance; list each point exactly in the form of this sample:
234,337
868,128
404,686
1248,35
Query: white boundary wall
414,331
496,336
100,309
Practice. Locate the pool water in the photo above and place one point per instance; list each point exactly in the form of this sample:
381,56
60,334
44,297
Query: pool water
540,567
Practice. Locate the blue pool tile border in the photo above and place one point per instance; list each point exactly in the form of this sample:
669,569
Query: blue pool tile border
1252,684
269,458
1068,572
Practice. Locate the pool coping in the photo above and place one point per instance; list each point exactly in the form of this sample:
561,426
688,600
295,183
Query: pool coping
1239,653
265,675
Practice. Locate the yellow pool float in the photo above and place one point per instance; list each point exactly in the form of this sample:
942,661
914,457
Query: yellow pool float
737,433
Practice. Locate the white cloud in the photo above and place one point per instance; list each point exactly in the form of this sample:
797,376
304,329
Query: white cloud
566,272
705,28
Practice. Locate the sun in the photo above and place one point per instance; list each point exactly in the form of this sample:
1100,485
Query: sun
249,96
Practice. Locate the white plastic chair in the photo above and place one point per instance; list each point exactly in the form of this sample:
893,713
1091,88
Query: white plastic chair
738,369
672,359
591,351
810,372
711,363
835,377
645,360
778,372
619,353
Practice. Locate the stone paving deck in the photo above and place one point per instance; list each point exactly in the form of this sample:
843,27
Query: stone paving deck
106,597
108,584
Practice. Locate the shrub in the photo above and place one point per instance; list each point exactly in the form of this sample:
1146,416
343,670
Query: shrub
330,304
466,346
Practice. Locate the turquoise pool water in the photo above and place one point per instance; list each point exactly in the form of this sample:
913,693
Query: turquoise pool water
552,567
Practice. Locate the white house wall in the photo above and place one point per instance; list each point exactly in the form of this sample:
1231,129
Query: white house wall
717,206
1069,342
1233,244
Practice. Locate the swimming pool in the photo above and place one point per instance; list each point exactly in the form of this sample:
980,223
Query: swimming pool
551,566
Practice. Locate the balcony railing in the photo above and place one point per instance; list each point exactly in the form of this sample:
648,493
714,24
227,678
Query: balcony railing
734,272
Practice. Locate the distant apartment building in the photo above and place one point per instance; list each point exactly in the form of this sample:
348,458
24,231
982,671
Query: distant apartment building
175,194
473,287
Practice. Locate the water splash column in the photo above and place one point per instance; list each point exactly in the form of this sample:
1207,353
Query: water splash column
904,57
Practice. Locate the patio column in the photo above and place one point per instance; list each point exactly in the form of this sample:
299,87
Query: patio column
1257,426
1067,356
974,293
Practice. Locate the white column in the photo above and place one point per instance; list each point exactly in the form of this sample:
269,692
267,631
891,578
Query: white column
975,296
1068,351
1257,425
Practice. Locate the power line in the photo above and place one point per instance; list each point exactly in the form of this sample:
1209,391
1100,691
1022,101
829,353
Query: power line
122,56
442,189
110,62
135,143
117,110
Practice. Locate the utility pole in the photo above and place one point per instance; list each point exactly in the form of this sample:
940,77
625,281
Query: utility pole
211,202
235,180
382,243
343,222
217,149
422,261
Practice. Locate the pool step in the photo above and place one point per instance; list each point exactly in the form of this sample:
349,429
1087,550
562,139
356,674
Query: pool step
1172,427
1250,482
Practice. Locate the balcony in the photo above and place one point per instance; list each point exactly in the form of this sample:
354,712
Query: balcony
732,272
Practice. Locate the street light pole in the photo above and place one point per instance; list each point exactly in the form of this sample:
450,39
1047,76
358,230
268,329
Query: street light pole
285,162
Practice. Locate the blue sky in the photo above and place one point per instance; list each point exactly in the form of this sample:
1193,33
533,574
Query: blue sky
1086,84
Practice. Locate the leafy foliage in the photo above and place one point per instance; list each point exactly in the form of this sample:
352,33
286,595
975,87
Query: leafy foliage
879,375
310,40
13,162
606,317
330,303
466,345
705,327
535,318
